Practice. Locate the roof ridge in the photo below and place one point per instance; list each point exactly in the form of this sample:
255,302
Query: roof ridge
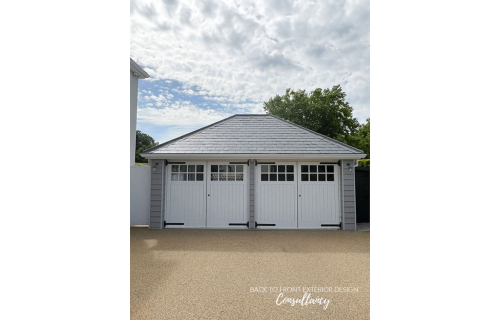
316,133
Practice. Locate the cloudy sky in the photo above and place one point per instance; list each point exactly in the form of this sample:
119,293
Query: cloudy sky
212,59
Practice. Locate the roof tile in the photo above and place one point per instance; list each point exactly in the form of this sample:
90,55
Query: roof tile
253,134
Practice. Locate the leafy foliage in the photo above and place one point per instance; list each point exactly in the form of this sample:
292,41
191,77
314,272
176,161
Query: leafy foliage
143,142
323,111
361,139
364,163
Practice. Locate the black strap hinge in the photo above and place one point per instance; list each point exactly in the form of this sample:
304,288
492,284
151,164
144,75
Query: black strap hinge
247,163
241,224
257,163
167,163
165,223
264,224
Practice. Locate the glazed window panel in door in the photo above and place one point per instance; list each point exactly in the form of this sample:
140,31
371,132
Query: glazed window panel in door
227,172
239,173
318,173
187,173
277,172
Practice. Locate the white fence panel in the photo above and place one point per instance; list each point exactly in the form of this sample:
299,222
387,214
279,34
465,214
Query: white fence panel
140,194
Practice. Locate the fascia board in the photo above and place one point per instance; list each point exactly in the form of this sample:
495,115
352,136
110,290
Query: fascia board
135,68
258,156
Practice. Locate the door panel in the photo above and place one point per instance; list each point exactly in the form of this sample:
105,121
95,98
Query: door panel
276,195
187,203
185,196
226,204
227,195
318,190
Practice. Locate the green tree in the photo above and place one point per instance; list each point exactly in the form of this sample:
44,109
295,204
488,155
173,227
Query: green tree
323,110
142,142
361,139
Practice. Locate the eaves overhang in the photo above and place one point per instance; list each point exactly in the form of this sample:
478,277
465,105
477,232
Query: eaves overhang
257,156
137,70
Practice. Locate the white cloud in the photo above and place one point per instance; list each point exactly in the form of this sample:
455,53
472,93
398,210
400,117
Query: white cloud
151,72
180,113
240,51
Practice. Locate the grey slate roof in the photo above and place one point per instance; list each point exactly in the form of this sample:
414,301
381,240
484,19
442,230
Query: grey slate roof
261,134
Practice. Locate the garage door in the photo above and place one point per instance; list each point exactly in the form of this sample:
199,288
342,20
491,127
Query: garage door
287,195
318,191
186,195
226,199
276,195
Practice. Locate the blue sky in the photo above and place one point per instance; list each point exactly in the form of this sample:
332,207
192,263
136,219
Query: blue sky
211,59
168,109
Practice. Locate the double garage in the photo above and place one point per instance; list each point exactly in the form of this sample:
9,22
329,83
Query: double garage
253,171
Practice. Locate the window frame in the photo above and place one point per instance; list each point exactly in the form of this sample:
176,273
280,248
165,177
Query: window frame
316,168
171,167
227,173
279,165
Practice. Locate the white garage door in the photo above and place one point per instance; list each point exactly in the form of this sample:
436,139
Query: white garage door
227,195
319,204
276,195
186,195
287,195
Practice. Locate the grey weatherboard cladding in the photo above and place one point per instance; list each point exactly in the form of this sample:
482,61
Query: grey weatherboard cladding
252,195
157,194
348,197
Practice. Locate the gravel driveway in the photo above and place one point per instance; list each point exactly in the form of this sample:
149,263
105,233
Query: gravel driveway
232,274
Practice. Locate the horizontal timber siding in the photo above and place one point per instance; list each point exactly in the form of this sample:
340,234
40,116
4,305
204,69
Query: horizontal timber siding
348,196
252,194
157,194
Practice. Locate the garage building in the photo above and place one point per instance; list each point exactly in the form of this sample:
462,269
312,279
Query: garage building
253,171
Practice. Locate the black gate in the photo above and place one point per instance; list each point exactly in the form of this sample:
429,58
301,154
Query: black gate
362,194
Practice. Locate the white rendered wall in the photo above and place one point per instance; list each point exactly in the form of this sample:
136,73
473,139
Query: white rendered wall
140,176
134,87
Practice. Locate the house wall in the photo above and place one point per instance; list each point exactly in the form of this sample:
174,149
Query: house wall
140,186
134,87
348,195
